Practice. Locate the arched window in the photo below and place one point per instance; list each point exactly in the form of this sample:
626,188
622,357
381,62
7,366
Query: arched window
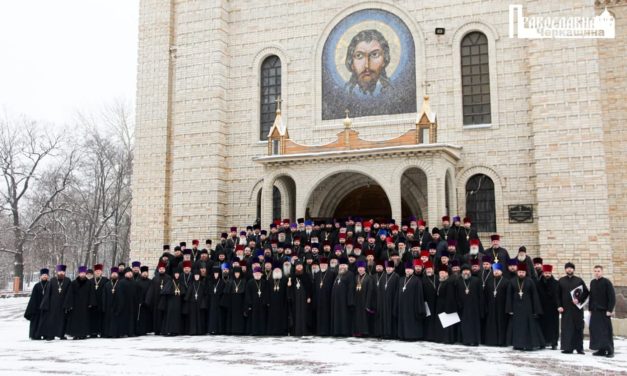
480,205
475,79
276,203
270,90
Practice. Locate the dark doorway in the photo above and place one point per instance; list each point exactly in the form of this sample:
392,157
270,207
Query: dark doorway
367,202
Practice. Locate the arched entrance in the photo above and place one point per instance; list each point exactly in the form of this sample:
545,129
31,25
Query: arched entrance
349,194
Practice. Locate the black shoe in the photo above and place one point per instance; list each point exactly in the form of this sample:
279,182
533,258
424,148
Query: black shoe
609,355
599,353
567,352
580,352
553,347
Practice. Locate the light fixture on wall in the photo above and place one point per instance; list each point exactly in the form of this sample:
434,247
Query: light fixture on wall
439,31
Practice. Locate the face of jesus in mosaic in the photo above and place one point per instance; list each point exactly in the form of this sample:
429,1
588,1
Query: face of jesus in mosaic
367,57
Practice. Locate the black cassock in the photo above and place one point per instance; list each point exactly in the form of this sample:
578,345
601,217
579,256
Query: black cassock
365,305
411,308
233,301
186,283
144,314
118,300
470,303
342,304
79,305
277,307
53,307
216,316
256,307
96,312
173,292
525,329
386,317
195,308
298,293
602,300
431,322
323,286
550,318
572,317
32,312
446,302
496,324
155,301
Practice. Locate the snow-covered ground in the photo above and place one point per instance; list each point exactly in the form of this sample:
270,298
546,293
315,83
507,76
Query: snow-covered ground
222,355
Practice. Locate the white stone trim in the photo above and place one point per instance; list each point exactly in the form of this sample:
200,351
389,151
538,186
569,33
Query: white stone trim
260,56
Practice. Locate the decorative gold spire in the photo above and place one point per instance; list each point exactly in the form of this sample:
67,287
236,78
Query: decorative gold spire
278,125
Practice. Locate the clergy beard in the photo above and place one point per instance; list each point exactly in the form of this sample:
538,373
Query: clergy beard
442,279
466,276
286,270
521,258
276,275
474,251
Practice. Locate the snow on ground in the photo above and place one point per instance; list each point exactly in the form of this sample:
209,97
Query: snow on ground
261,356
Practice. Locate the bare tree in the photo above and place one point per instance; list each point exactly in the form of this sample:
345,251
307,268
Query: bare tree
32,160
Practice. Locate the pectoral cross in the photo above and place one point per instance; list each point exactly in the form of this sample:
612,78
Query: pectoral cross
113,290
235,289
358,287
215,289
321,283
520,293
297,284
259,293
195,296
467,291
60,289
404,288
495,293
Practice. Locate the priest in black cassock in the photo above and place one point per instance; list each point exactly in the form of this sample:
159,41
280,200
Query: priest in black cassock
386,317
277,302
470,302
365,302
53,306
144,315
550,318
96,312
495,298
33,313
114,306
195,306
233,301
601,305
523,305
256,304
572,316
323,287
154,300
215,288
300,292
342,300
173,292
410,305
80,301
430,282
446,302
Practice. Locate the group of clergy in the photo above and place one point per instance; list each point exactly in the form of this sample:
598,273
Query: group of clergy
350,277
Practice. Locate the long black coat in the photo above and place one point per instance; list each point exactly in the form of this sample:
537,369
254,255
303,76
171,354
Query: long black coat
32,313
144,314
277,307
470,303
172,306
96,312
53,308
233,300
572,318
496,323
82,298
256,298
386,317
446,303
602,300
365,305
298,294
155,301
410,308
118,301
550,318
323,287
195,308
429,293
216,313
525,333
342,304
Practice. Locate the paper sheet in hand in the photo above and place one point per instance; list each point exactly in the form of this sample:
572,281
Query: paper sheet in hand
427,310
576,293
448,319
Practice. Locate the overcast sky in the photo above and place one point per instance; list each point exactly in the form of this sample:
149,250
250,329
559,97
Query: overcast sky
60,56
